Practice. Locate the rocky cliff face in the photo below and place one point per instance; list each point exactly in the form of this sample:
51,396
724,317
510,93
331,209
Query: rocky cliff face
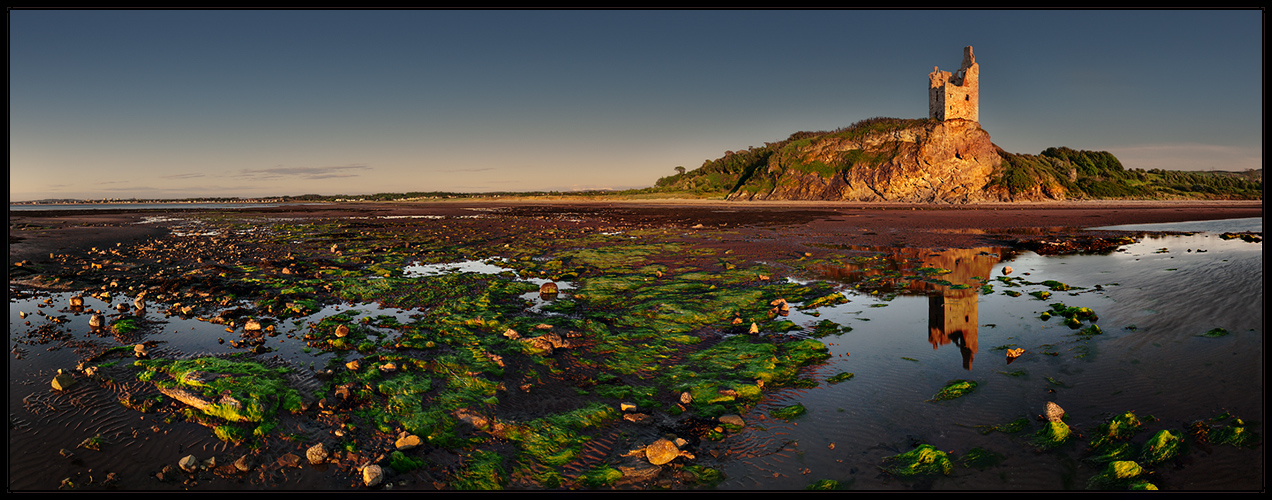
932,161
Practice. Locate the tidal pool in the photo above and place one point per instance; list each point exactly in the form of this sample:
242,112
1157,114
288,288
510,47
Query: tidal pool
1154,301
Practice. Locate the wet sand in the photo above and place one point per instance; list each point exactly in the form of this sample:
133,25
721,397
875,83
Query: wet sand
33,234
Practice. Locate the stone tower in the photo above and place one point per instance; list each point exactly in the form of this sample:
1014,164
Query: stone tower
955,96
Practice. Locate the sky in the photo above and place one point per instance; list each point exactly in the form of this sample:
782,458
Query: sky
159,104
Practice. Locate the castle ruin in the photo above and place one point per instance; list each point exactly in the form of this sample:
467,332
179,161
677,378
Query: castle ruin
955,96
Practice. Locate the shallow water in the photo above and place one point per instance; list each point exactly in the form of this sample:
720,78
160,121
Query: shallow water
1154,300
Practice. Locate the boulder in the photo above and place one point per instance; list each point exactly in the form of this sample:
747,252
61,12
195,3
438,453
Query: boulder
317,454
1054,413
406,441
189,463
664,451
548,288
63,381
732,420
252,326
372,475
244,463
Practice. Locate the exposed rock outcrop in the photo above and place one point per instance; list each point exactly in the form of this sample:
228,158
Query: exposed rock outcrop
928,162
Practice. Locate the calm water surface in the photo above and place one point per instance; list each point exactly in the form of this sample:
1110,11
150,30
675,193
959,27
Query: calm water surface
1155,299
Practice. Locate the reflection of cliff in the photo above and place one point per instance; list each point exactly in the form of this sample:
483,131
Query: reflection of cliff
952,312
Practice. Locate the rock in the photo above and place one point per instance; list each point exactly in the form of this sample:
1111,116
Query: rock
661,452
140,303
317,454
353,365
627,407
755,328
1006,270
289,460
342,331
547,342
686,398
512,334
140,351
1012,354
63,381
252,326
372,475
951,161
732,420
1054,413
244,463
189,463
76,301
635,418
388,368
473,419
97,321
406,441
548,288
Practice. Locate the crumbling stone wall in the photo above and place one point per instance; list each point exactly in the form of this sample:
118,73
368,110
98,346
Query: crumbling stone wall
955,96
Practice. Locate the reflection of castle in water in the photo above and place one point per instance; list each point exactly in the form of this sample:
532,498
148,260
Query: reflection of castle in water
952,312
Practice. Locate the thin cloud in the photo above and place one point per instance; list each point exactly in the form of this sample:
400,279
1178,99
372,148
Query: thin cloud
183,176
309,173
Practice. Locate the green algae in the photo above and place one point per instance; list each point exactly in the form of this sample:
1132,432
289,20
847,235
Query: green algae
245,391
840,377
124,326
1121,475
980,458
1052,435
1165,445
1014,426
1226,429
923,460
1120,428
826,328
824,485
481,470
789,412
402,463
1215,332
955,389
600,476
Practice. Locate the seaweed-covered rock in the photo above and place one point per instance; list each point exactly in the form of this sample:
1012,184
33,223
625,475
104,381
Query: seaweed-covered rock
1163,446
923,460
955,389
1052,435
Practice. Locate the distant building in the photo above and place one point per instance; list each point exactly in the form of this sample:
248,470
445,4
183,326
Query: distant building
955,96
